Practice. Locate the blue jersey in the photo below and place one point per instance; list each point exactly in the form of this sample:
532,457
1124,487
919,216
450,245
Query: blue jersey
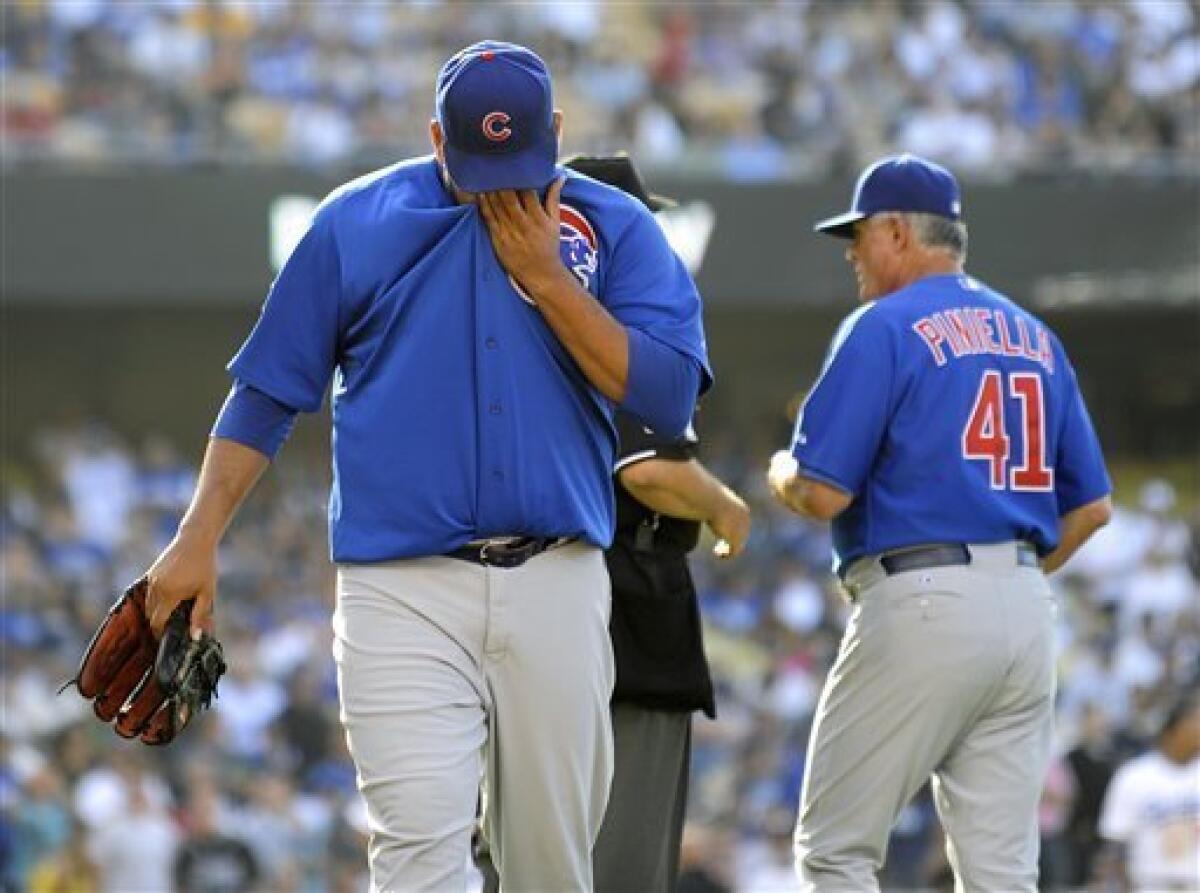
457,413
950,415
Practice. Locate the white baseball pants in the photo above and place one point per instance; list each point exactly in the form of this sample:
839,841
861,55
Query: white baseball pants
945,672
448,668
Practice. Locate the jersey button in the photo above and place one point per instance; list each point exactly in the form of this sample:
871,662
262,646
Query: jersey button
491,343
496,409
497,474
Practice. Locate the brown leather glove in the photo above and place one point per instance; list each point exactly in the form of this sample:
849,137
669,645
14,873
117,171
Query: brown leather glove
151,688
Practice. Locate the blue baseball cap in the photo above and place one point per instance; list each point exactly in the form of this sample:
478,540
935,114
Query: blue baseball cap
902,183
497,113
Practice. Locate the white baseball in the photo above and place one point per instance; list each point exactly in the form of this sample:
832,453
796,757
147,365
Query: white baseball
783,466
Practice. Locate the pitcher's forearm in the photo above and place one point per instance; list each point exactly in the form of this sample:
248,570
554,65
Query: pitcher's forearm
593,338
229,472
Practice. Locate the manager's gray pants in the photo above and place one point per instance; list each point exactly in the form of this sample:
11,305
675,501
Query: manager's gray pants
440,661
946,672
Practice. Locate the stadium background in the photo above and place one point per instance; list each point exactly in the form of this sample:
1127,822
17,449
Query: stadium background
153,156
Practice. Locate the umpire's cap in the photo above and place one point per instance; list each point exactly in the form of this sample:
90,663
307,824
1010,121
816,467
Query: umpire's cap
902,183
618,170
495,106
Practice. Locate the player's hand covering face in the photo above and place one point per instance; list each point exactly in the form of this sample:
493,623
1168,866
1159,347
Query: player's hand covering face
525,234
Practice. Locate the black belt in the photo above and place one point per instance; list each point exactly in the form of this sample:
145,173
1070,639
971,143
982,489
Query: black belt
945,555
510,554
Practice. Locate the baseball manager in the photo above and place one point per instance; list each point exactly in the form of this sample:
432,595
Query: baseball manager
481,313
947,439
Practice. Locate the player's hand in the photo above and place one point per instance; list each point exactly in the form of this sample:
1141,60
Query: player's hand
185,570
731,526
524,234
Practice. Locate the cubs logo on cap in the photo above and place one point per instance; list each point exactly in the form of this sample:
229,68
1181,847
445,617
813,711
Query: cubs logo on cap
496,109
495,126
904,184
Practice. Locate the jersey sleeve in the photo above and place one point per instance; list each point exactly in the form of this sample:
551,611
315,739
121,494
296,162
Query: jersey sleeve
649,290
844,418
291,353
636,443
1119,815
254,419
1080,476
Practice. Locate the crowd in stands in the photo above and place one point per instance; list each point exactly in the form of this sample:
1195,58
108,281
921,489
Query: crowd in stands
749,90
259,793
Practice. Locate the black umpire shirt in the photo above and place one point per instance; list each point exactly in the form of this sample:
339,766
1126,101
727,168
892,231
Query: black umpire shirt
655,624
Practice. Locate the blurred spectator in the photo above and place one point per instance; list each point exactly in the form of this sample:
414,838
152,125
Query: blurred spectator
821,86
305,725
908,848
1092,762
44,823
1054,812
68,869
959,135
209,860
248,703
270,758
767,861
279,828
702,865
133,847
122,786
99,482
1151,814
31,682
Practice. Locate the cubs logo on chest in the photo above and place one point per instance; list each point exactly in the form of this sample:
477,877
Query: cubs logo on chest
578,247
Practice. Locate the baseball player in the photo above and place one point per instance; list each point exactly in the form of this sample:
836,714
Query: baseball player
947,440
1151,813
481,314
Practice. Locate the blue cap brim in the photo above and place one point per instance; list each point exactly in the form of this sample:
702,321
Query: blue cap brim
842,225
531,168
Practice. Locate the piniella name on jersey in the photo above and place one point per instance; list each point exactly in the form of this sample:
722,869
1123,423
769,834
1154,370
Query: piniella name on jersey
968,331
951,415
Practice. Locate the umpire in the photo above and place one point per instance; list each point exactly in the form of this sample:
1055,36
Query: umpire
663,496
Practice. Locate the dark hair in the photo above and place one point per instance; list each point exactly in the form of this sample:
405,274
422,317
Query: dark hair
1179,711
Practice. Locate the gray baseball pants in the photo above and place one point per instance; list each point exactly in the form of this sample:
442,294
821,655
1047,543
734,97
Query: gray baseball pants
945,672
638,846
447,669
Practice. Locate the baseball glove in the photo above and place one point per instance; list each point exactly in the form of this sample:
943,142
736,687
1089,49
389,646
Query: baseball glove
152,689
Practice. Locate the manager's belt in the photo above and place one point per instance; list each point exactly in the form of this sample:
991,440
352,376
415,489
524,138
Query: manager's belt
507,552
943,555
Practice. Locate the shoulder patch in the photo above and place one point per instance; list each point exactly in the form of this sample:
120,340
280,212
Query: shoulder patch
578,246
578,243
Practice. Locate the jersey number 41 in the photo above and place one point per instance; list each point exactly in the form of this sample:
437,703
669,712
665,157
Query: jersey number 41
986,439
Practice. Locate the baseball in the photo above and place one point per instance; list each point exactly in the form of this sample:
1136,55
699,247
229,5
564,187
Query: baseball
783,467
